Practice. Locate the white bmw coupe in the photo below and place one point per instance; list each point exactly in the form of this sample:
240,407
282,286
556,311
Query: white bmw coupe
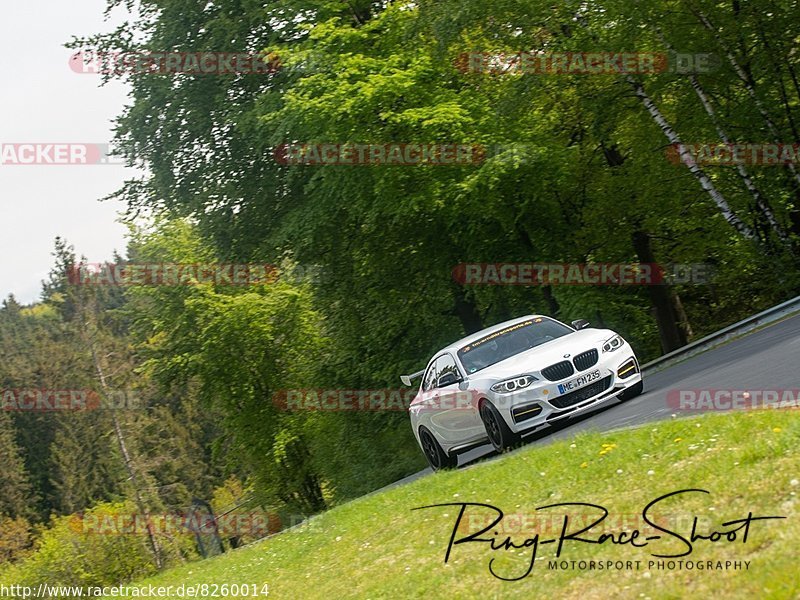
513,378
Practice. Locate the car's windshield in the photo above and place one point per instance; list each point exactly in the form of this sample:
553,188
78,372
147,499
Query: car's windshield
507,342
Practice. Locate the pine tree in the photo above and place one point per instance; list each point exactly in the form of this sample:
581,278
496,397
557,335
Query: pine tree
15,490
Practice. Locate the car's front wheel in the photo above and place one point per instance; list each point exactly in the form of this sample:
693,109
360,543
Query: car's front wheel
437,458
498,431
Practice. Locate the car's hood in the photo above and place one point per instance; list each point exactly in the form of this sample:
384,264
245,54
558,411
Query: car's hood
545,355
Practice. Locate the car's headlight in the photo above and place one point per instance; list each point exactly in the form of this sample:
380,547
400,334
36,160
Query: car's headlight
512,385
613,343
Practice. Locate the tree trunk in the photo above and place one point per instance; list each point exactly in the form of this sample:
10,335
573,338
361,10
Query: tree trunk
553,306
748,85
683,319
119,434
706,183
466,311
760,201
672,335
778,70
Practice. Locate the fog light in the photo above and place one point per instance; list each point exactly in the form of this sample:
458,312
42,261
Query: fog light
628,369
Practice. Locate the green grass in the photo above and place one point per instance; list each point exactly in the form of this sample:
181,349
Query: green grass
377,547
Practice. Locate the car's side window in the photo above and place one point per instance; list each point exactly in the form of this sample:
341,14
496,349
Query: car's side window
429,381
446,364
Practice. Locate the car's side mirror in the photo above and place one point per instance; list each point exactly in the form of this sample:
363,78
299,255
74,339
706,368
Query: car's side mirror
447,379
580,324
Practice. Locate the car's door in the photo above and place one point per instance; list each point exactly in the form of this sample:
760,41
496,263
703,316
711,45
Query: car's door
456,416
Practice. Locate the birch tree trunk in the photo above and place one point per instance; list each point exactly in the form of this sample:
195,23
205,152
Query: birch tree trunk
761,203
705,182
748,182
119,434
748,85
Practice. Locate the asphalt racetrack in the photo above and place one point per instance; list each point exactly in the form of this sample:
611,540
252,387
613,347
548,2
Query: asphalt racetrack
767,359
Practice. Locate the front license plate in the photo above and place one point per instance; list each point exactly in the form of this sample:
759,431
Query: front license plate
578,382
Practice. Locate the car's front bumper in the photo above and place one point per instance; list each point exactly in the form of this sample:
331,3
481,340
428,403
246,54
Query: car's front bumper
545,402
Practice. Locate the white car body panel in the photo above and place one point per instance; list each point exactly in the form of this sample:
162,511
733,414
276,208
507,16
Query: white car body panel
451,413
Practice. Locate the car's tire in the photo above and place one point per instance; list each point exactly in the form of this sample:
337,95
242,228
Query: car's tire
438,459
497,430
631,392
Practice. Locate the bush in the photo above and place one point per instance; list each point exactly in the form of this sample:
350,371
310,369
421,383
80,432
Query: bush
15,538
90,550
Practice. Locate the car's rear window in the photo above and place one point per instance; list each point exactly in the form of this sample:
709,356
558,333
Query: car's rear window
507,342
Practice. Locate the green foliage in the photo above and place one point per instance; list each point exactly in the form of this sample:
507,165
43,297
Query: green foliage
72,551
16,539
241,346
16,495
575,172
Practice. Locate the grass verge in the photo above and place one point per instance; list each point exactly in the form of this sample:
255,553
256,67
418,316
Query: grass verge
377,547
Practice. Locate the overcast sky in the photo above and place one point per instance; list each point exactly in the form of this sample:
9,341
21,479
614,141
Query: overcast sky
44,101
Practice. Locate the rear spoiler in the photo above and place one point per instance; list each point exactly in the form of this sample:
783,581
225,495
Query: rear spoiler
407,379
